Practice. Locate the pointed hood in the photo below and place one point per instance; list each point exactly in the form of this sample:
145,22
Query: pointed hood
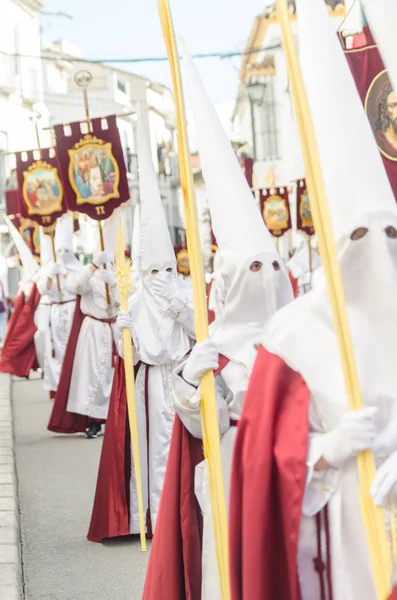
382,18
109,235
364,216
256,283
30,266
156,246
64,234
346,145
158,336
46,252
136,242
236,221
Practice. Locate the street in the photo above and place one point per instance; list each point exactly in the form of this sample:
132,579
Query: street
56,479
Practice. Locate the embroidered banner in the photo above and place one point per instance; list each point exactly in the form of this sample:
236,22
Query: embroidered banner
30,231
304,220
247,165
92,168
274,205
182,260
378,97
41,197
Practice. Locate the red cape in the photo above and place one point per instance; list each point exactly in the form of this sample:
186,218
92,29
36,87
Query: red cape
18,356
394,594
174,569
294,283
110,514
62,421
268,481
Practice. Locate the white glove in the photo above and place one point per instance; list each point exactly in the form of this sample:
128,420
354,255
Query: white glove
53,270
202,358
124,320
100,259
165,288
355,433
109,277
384,487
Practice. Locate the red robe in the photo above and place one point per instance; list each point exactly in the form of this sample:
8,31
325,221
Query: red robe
394,594
174,569
62,421
18,356
110,514
268,482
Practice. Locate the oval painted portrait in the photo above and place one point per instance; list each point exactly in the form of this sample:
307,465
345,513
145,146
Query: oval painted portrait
381,109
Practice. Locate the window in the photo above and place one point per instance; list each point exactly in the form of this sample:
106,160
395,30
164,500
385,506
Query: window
122,86
266,119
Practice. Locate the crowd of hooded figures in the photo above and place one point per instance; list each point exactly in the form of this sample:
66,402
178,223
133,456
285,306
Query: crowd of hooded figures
288,440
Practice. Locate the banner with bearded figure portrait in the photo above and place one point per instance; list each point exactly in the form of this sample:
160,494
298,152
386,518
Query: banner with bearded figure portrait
378,97
304,219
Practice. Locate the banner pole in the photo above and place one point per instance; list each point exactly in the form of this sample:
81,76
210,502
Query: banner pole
83,79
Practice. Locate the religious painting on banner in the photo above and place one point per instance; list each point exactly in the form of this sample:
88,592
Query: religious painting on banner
41,194
304,219
182,260
378,98
274,205
92,167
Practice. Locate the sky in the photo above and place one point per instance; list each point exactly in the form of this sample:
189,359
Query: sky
131,28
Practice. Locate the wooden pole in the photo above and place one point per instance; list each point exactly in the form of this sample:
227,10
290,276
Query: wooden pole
52,235
124,285
209,412
372,516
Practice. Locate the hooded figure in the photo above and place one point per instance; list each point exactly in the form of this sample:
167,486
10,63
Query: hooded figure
18,355
297,529
255,286
136,246
84,390
161,320
57,282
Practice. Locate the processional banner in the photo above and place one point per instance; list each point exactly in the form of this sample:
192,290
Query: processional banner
92,167
378,97
304,220
275,210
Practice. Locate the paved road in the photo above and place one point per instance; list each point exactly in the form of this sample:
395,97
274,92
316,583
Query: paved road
57,476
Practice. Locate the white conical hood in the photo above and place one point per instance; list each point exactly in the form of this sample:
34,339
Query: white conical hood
64,234
136,242
346,145
156,246
30,266
382,18
46,252
109,235
238,226
252,295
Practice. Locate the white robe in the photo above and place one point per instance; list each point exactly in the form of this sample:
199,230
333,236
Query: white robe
61,318
93,369
231,385
42,337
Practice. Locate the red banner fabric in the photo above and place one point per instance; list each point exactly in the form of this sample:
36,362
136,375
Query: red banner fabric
12,202
247,165
40,188
92,168
274,205
378,97
304,220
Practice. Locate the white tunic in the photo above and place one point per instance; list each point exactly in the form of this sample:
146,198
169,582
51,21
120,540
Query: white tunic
61,318
93,367
231,385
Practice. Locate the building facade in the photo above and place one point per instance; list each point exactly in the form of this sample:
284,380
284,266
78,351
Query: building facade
264,119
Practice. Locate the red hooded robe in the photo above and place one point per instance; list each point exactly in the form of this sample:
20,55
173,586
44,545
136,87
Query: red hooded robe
268,482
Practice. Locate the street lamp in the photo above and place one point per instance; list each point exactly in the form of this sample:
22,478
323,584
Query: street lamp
256,94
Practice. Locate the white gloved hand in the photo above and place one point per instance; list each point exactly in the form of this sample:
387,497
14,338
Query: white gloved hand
384,487
109,277
165,288
355,433
124,320
100,259
202,358
53,270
